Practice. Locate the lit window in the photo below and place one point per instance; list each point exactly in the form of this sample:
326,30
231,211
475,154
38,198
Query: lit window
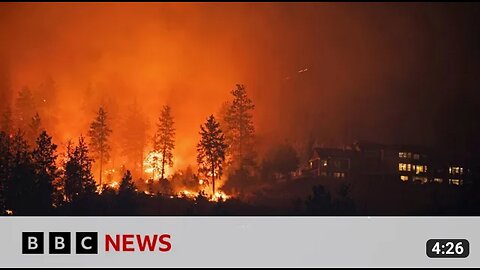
438,180
457,182
416,156
420,169
409,155
402,154
422,180
404,178
404,167
339,175
455,170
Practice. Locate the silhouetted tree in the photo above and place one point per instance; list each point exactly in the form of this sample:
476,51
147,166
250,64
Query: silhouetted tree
185,179
6,124
280,160
6,163
34,128
165,139
44,161
165,186
319,203
134,137
126,185
99,133
239,130
21,189
344,205
211,150
25,108
78,176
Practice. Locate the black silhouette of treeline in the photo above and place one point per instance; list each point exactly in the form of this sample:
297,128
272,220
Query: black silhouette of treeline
33,184
37,180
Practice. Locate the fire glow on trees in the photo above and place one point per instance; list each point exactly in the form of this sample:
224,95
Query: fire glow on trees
153,164
218,196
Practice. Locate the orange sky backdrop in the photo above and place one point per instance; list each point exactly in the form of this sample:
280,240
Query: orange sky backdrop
363,60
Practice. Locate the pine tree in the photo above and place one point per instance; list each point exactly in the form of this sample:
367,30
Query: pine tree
126,185
34,129
6,124
6,161
165,139
211,150
44,159
81,153
71,174
78,178
239,130
99,133
21,188
25,108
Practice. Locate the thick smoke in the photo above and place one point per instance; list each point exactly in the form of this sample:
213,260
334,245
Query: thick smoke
403,73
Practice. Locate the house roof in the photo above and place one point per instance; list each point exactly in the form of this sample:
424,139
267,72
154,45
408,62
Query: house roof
332,152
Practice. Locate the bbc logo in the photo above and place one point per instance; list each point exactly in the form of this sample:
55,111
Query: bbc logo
60,243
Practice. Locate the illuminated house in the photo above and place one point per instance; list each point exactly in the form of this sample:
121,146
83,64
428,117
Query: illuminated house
373,160
414,165
456,174
330,162
406,163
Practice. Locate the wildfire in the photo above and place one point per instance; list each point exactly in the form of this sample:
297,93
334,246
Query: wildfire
114,185
187,194
153,165
218,196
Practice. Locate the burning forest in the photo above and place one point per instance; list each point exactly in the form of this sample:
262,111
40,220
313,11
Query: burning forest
239,109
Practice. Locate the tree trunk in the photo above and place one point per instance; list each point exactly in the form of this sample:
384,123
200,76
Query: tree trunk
101,163
213,178
163,163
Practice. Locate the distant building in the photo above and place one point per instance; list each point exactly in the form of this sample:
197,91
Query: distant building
407,163
330,162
